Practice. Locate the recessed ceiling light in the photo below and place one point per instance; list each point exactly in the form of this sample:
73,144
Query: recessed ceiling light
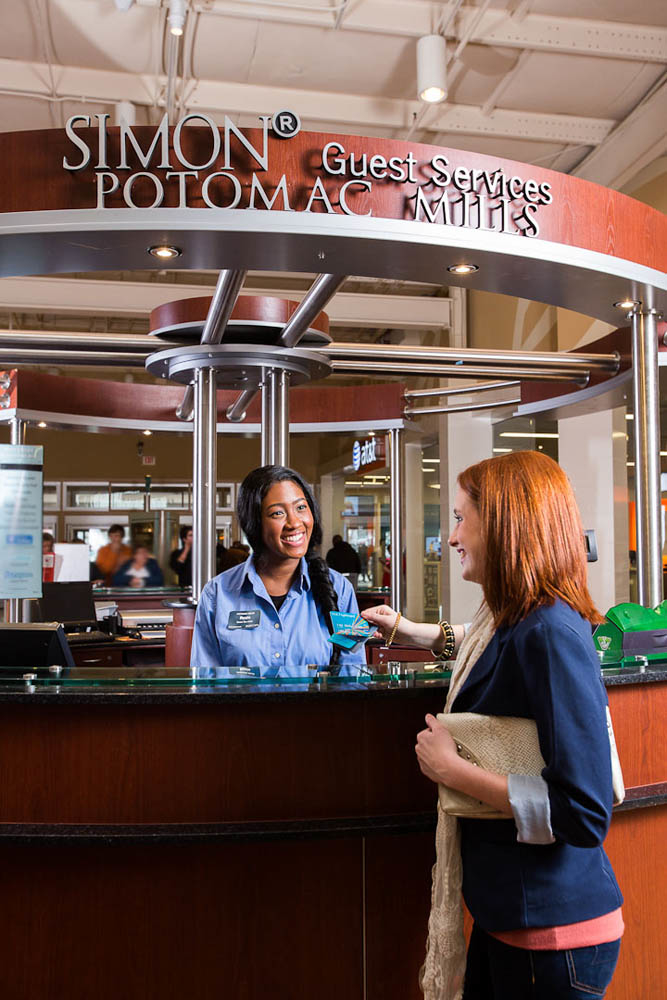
42,423
626,304
164,252
148,433
463,268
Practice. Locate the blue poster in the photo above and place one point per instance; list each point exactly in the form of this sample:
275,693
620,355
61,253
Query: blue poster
21,520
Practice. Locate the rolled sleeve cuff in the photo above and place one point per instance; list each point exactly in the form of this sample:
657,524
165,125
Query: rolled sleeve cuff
529,799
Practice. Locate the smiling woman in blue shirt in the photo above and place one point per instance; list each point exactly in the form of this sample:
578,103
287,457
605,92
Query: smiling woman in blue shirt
271,615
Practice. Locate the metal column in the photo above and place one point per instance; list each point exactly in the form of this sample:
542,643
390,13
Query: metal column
647,455
396,466
14,606
204,478
270,416
282,429
17,431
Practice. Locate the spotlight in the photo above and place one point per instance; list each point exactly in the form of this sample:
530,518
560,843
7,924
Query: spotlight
176,16
432,68
147,433
626,304
463,268
164,252
42,423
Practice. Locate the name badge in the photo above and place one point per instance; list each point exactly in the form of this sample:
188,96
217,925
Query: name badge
243,619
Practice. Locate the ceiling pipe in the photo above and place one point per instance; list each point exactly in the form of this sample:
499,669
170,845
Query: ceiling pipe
226,292
411,411
404,369
336,351
471,356
65,341
460,390
316,298
12,356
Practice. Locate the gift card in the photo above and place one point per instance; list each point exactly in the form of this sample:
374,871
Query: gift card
351,626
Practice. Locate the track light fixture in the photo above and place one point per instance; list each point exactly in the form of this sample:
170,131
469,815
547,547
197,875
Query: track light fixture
176,16
432,68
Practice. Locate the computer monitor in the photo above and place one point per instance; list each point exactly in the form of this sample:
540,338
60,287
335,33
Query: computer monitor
33,646
70,603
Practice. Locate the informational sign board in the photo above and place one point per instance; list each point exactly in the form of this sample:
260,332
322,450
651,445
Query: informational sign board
21,520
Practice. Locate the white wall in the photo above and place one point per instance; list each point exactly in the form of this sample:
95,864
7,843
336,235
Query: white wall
592,451
465,438
414,531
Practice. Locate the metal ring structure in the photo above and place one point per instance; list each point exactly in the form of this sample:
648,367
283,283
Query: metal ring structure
238,366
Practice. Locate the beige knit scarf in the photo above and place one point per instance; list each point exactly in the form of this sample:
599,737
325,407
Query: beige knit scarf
441,976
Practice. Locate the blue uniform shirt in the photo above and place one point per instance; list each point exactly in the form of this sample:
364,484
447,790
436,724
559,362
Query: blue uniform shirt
285,641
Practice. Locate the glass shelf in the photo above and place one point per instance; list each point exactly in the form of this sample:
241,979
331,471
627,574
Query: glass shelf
132,678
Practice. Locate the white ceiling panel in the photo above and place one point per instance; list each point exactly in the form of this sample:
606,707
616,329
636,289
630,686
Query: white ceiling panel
608,88
645,12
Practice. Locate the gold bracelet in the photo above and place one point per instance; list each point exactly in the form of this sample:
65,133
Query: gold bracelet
450,641
393,631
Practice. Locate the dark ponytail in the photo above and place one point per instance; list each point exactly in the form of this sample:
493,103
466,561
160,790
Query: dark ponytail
251,493
326,600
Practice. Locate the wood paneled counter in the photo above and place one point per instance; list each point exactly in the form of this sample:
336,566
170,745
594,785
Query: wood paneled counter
165,839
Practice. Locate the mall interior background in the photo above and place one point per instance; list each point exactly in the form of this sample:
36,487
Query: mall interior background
595,109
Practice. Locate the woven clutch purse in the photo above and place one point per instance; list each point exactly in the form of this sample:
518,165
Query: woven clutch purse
499,743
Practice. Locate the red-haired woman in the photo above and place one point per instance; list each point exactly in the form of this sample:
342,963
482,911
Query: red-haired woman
545,902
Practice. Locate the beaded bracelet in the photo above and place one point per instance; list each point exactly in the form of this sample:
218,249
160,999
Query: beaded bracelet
393,631
450,641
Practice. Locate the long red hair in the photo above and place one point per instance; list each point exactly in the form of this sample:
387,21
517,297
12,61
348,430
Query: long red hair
533,537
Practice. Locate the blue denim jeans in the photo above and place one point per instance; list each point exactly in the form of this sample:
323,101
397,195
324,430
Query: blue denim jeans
497,971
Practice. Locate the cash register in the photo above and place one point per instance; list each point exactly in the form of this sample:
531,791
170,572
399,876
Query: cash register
72,605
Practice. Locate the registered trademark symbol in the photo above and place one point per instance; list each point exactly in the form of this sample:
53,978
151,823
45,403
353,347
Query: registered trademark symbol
286,124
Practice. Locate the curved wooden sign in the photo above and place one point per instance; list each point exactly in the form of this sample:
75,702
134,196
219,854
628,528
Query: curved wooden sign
97,198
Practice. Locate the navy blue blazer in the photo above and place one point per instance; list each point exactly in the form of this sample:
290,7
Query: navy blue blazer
545,668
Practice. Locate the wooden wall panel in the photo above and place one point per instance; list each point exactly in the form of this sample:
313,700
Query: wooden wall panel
211,763
638,712
397,935
169,923
636,848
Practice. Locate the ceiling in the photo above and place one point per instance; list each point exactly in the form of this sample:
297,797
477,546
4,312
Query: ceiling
574,85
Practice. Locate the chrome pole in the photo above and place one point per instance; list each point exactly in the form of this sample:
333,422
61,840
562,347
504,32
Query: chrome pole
396,516
270,417
282,421
14,605
541,360
224,299
461,390
436,369
204,480
236,411
645,379
320,292
414,411
17,428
